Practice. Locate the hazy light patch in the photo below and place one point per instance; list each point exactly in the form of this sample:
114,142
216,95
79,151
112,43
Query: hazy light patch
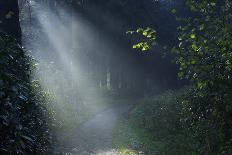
124,151
110,152
64,75
64,40
61,36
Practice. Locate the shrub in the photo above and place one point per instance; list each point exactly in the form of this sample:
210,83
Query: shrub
208,119
23,117
160,116
183,125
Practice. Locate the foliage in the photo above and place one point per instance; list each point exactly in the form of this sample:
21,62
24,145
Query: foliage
23,117
149,38
164,106
131,140
204,50
206,120
204,56
160,116
154,127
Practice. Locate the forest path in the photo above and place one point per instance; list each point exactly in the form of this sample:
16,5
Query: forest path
94,137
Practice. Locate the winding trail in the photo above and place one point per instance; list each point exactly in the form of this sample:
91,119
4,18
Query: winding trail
95,136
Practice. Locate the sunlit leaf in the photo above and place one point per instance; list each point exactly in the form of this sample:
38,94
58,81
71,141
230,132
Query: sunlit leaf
193,36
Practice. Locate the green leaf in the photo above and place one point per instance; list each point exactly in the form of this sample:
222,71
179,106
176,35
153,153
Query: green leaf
193,36
213,4
145,33
135,46
202,27
139,30
181,74
193,62
194,47
174,11
145,47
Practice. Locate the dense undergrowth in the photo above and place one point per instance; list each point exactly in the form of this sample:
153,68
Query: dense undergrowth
24,119
197,121
167,124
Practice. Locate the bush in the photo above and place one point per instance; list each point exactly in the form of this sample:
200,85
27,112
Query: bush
23,116
183,125
160,116
208,119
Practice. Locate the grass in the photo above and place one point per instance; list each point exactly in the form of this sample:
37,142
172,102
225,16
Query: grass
131,140
153,127
149,127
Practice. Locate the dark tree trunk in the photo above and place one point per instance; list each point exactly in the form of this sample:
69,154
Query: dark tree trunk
9,18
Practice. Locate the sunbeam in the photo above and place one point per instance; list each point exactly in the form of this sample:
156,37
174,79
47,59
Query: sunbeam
66,77
115,77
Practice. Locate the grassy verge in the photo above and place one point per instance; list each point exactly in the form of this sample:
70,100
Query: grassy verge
152,128
131,140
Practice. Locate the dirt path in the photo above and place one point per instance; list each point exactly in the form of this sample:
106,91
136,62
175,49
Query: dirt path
95,136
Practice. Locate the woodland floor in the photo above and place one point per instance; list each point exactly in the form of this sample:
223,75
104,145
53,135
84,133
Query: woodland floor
95,136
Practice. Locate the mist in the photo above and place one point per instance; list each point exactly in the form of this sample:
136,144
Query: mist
115,77
87,67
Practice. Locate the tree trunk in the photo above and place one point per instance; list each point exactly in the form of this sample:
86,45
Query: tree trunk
9,18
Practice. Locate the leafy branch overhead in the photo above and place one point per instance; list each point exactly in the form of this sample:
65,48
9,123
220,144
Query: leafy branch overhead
149,38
